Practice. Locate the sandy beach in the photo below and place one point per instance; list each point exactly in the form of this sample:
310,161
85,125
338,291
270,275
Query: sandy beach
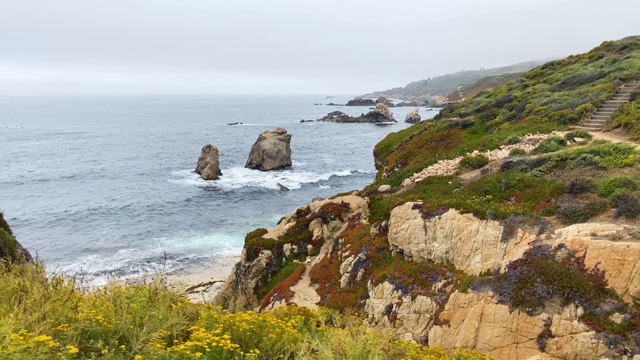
201,283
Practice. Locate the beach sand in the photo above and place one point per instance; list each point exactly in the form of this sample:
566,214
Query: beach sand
201,283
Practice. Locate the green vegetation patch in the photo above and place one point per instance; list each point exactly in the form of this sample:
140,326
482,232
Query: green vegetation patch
279,285
492,196
550,144
543,274
628,117
473,162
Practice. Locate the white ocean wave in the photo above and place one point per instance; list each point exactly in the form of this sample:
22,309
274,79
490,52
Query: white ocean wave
168,255
238,177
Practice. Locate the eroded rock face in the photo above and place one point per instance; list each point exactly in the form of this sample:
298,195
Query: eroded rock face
239,290
272,151
477,321
413,117
470,244
619,259
10,249
208,166
389,308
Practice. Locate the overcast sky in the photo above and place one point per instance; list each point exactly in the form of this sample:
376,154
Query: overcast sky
285,47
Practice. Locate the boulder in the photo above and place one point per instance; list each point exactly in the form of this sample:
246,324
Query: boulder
384,188
413,117
208,166
272,151
10,248
360,102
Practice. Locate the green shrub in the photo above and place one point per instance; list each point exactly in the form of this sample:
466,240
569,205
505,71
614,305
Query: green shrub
574,214
609,186
627,205
550,144
473,162
540,276
583,134
581,186
512,140
517,152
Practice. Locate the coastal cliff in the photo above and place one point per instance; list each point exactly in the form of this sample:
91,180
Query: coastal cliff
501,227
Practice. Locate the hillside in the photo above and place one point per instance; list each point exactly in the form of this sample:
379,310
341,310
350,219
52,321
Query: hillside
444,84
484,84
496,227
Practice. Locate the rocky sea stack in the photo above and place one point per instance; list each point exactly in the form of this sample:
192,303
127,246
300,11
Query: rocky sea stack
208,166
413,117
272,151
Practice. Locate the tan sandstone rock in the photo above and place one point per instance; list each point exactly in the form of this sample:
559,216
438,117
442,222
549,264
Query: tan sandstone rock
619,259
476,321
470,244
388,308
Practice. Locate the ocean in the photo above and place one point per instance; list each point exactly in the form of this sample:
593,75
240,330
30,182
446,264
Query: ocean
101,186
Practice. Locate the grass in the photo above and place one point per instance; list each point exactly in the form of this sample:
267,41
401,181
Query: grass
47,317
279,284
497,195
550,97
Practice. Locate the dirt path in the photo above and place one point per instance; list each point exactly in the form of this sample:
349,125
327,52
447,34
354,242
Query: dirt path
304,293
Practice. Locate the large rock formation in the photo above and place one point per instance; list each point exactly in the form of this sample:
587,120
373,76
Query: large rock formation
360,102
383,100
477,321
240,290
10,248
272,151
381,114
470,244
208,166
413,117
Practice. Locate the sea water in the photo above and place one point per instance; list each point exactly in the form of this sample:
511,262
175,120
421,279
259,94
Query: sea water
102,186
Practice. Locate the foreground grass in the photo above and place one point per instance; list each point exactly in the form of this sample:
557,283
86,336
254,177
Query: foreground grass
47,318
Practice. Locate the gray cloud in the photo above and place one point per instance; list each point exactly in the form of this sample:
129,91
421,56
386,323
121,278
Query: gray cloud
280,46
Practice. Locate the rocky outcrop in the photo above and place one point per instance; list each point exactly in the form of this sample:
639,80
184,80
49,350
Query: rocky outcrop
208,166
413,117
381,114
410,317
413,103
10,249
383,100
239,291
272,151
618,258
477,321
470,244
360,102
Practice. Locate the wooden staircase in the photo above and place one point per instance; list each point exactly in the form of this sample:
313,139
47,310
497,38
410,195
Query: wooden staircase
600,118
